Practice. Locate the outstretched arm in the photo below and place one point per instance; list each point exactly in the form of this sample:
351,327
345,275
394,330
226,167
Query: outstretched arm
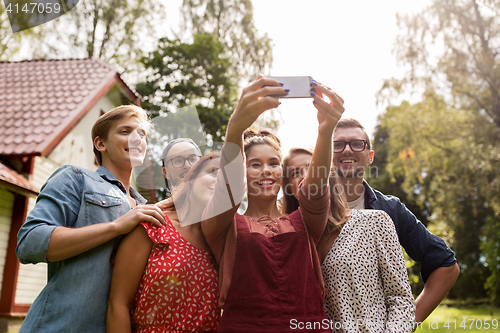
130,262
329,114
313,187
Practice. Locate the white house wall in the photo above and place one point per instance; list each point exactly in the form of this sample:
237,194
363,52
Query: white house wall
77,148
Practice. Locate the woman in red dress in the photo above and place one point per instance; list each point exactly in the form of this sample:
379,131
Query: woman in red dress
269,269
163,279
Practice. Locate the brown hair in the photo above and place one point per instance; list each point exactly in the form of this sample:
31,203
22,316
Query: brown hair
106,121
252,138
181,196
351,122
289,202
338,213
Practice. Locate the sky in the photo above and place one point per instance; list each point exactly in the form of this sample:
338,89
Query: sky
346,45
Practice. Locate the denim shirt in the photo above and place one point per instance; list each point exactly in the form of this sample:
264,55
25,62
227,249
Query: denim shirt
419,243
76,295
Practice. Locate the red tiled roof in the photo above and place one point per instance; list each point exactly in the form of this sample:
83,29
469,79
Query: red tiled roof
16,182
42,100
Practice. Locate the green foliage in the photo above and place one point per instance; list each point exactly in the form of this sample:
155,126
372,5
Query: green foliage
10,43
452,47
490,246
443,152
471,319
231,21
116,31
443,160
182,74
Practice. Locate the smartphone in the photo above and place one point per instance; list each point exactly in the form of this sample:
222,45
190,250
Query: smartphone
300,86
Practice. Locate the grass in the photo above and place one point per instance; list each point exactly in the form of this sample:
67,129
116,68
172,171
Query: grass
470,320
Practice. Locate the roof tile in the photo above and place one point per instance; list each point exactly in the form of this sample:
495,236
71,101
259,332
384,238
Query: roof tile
38,96
11,176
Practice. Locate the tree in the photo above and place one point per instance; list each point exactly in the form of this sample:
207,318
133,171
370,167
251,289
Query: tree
231,21
452,48
490,246
10,43
444,160
192,76
183,74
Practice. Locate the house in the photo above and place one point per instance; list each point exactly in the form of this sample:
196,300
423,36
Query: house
47,109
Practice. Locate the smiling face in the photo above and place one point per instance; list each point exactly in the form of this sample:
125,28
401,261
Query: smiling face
125,145
264,171
297,171
183,150
348,163
203,185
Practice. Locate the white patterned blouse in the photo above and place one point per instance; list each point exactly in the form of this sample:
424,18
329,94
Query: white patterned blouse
366,283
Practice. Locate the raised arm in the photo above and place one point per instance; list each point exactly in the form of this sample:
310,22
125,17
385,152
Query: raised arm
313,187
130,262
329,114
398,297
230,186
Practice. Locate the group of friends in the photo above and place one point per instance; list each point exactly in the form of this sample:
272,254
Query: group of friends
326,256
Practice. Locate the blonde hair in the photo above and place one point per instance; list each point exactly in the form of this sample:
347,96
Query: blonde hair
338,213
106,121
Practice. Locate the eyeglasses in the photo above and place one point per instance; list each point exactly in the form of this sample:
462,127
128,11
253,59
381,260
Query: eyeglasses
356,145
178,162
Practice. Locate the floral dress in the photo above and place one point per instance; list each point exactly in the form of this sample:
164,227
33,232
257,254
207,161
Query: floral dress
179,288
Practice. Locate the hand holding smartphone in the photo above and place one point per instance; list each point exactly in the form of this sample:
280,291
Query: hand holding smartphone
299,86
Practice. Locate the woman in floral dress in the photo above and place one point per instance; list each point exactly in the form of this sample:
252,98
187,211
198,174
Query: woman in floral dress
163,278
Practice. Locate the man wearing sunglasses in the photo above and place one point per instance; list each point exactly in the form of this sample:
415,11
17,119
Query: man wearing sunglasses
351,155
177,158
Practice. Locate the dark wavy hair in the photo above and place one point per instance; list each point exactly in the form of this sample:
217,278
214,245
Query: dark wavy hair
338,213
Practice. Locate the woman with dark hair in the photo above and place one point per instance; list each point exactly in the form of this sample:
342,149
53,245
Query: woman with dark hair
163,278
269,269
295,167
366,284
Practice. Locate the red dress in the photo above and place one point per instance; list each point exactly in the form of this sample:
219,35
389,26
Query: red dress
179,287
274,287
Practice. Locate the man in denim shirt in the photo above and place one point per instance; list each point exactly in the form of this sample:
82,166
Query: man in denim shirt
77,223
351,155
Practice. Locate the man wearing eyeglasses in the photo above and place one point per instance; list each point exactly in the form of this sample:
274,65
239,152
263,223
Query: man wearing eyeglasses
351,156
177,158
